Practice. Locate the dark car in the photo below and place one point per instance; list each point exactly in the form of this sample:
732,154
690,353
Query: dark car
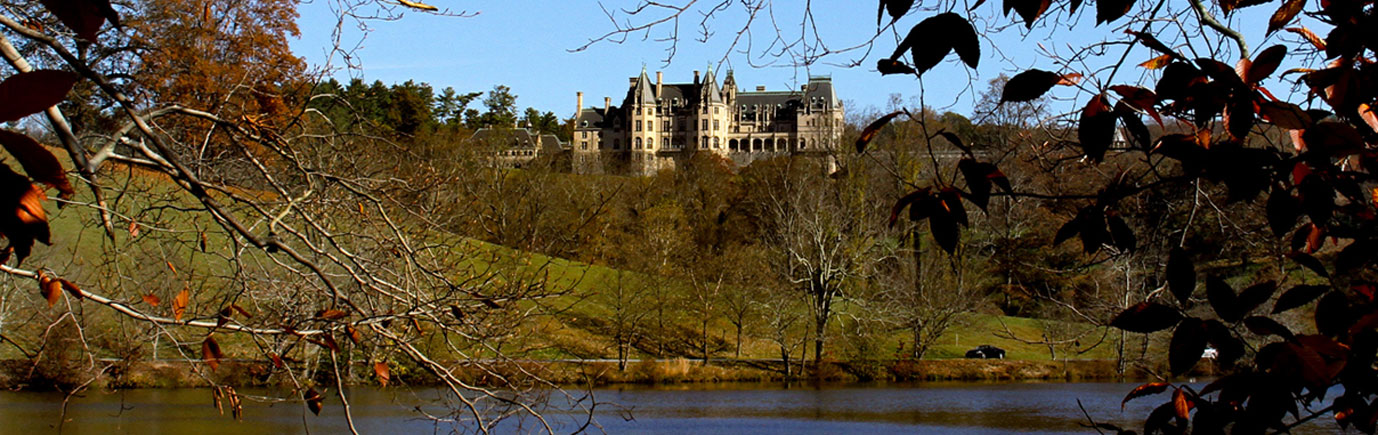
986,351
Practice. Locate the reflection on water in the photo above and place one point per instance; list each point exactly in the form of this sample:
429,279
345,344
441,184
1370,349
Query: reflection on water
730,408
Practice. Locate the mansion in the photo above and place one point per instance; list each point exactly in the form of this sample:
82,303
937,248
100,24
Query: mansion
657,125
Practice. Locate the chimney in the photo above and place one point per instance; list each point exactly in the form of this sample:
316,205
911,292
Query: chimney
659,78
581,104
631,82
696,77
607,105
760,88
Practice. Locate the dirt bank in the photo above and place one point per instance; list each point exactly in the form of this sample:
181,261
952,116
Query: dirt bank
20,374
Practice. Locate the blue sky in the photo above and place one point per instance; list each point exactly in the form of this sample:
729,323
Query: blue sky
525,45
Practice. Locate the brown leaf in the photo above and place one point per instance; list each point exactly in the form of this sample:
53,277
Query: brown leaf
331,314
210,352
179,304
1285,14
71,288
872,130
40,164
1188,342
152,300
1149,41
1096,131
1139,98
50,288
353,334
1111,10
1029,85
1146,317
84,17
1285,115
1265,63
1315,41
892,66
1298,296
28,93
1148,389
380,369
313,400
277,360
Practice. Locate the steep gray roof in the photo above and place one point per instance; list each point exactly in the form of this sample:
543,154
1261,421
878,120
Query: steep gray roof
710,89
519,138
644,93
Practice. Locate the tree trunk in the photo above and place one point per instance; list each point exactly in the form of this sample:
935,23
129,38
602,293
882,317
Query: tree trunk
704,337
917,351
739,340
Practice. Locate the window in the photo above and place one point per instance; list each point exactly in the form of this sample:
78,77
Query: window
584,145
716,126
705,125
617,144
802,144
650,125
584,134
638,125
650,143
638,111
732,144
666,127
715,110
638,143
717,143
665,143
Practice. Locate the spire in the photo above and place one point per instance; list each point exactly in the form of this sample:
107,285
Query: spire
710,92
644,93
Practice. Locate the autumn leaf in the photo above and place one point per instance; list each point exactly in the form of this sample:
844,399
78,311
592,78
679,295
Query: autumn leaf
1146,317
313,400
1284,15
1285,115
22,218
1148,40
1181,275
40,164
179,304
1180,404
1298,296
1311,37
31,92
49,288
1158,62
331,314
84,17
152,300
1096,130
210,352
872,130
71,288
380,369
1188,342
1029,85
1148,389
1265,63
416,5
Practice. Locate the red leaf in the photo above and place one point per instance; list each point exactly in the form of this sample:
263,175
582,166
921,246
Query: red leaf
152,300
1158,62
1285,115
22,218
179,304
331,314
1148,389
1139,98
1180,404
28,93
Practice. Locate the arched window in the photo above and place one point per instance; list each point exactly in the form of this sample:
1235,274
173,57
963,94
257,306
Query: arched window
638,143
770,144
717,143
756,145
732,144
617,144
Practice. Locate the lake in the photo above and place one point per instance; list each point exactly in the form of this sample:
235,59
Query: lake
947,407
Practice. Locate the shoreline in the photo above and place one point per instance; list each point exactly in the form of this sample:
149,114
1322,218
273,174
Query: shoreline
22,375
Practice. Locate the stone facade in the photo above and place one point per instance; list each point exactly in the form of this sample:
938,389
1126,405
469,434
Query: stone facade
658,125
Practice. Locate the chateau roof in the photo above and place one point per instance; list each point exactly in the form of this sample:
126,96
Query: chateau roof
517,138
